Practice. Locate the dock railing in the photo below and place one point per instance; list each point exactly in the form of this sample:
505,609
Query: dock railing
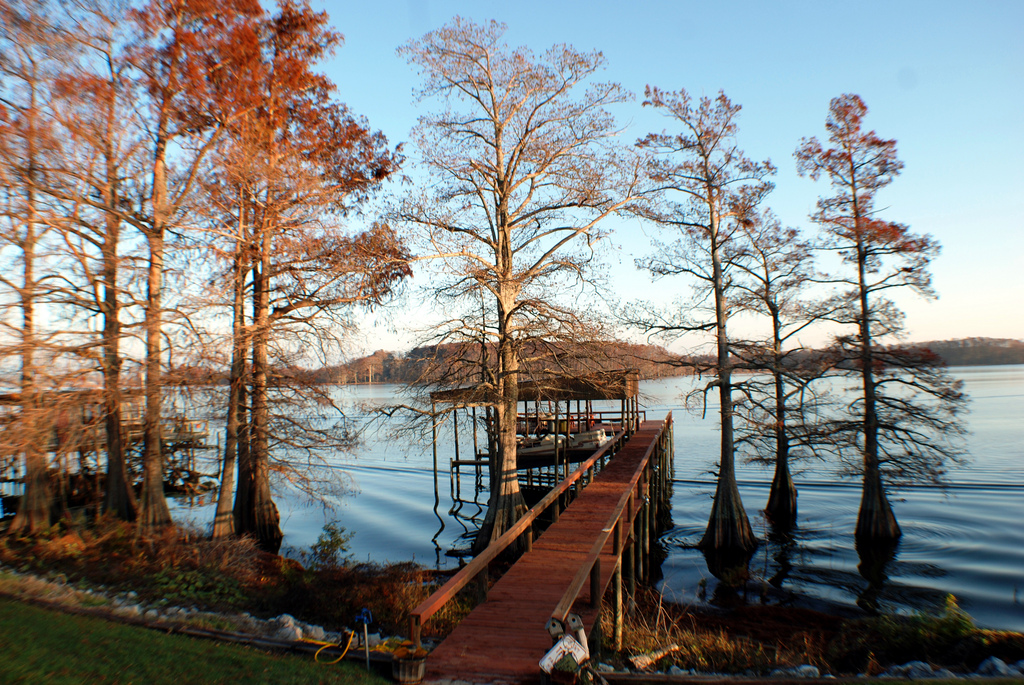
621,528
477,570
578,421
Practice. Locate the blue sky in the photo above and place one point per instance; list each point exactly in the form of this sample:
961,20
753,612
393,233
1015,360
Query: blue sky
945,79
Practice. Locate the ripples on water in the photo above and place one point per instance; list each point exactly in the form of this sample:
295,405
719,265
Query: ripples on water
967,540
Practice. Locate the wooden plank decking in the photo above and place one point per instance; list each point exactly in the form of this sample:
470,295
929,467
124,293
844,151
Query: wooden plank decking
504,638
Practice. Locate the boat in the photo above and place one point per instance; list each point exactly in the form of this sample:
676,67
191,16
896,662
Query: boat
585,441
538,445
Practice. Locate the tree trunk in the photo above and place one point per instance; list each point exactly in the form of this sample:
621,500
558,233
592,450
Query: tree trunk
728,528
119,499
781,507
153,504
875,520
265,518
505,505
224,519
242,508
33,513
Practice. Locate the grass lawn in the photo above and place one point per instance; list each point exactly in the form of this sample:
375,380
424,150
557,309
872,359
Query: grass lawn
41,646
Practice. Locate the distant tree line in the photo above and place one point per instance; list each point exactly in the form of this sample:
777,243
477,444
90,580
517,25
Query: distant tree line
427,364
978,351
651,361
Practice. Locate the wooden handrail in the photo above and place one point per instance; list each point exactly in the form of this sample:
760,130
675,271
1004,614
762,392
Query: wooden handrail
583,574
574,416
431,605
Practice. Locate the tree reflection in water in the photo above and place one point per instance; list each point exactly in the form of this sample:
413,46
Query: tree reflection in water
875,559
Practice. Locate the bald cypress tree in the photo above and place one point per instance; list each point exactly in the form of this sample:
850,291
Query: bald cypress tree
704,190
906,418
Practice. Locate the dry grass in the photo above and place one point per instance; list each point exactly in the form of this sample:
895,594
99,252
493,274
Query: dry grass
654,625
758,639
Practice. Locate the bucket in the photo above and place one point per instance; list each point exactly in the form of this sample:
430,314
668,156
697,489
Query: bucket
409,670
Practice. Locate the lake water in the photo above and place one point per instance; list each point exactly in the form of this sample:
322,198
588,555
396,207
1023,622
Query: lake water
966,539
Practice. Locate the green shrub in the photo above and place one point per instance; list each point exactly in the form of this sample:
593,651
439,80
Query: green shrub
330,551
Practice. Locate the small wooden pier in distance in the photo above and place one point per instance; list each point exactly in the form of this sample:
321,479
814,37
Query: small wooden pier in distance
601,540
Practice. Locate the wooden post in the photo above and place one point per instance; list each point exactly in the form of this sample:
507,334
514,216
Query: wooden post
617,606
415,630
595,584
645,541
558,472
656,498
565,449
433,446
672,442
455,423
483,580
638,551
629,564
476,448
663,468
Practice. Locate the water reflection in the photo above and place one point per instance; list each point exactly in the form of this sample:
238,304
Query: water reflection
785,544
808,567
468,513
874,560
438,550
730,567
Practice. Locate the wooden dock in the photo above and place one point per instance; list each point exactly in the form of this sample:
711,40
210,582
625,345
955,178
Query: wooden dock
601,539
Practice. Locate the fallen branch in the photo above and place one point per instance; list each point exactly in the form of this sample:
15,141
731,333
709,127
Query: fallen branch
646,660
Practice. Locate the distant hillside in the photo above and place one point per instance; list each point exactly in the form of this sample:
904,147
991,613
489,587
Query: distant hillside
652,361
433,361
977,351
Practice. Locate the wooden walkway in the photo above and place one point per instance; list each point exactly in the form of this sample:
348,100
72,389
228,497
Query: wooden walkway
504,638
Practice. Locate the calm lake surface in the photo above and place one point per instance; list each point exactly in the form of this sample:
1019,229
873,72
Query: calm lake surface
966,539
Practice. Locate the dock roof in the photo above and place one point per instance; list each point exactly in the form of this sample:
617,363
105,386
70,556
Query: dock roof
604,385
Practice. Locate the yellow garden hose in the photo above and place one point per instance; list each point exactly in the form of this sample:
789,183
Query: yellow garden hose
325,645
